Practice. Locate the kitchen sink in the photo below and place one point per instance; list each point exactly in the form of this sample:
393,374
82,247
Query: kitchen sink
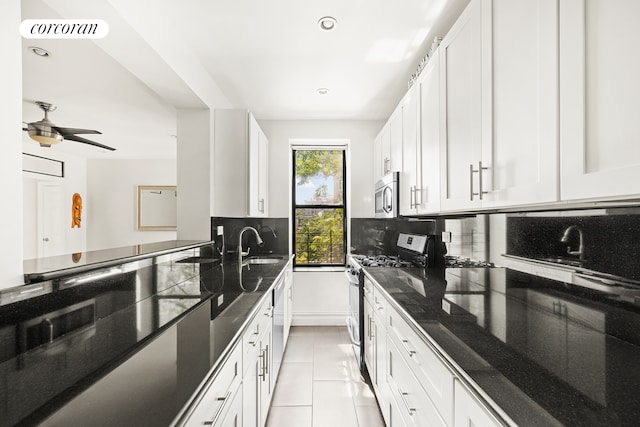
262,260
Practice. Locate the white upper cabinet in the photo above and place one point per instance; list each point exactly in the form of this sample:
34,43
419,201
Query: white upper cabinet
599,98
520,101
500,121
420,177
427,192
258,170
377,156
241,152
410,170
461,151
394,152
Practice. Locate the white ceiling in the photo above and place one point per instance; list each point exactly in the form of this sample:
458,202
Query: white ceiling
267,56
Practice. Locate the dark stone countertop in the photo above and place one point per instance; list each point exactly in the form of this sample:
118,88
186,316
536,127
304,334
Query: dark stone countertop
547,353
109,320
39,269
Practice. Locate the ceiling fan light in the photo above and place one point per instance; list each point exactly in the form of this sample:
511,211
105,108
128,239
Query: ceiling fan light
45,139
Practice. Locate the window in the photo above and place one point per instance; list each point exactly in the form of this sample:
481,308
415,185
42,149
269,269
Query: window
319,207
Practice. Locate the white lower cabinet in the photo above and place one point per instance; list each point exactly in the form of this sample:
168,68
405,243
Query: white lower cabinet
415,406
234,415
413,383
469,410
214,405
434,376
256,387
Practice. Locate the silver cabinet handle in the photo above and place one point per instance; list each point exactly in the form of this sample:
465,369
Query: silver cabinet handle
417,192
219,411
480,192
406,404
261,205
480,174
262,374
412,196
405,344
471,172
266,360
385,168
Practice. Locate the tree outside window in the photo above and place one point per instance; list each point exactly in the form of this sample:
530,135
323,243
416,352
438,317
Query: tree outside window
319,207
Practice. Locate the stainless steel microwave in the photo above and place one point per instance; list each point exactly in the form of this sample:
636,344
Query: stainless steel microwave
386,196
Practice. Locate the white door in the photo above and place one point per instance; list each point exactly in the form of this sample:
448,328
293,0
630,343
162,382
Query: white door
460,131
599,98
520,100
50,219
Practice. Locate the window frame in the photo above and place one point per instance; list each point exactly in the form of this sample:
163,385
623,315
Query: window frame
343,206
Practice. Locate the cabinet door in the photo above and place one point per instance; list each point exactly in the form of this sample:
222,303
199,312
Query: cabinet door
257,170
427,193
409,176
599,98
520,101
385,148
377,157
461,133
394,153
469,411
265,374
288,298
251,393
234,416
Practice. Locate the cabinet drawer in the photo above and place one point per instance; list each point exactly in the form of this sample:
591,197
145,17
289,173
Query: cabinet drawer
412,402
250,339
379,305
469,410
430,371
212,405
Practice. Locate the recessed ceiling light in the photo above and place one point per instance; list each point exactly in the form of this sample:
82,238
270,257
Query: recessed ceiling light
327,23
323,91
39,51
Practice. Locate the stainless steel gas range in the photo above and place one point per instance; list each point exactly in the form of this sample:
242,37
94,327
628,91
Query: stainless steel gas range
413,251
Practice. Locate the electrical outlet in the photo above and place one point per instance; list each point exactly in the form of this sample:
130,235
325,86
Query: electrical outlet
446,237
220,230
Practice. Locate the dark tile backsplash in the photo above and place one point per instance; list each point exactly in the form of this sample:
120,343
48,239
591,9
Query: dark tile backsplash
611,239
274,233
379,236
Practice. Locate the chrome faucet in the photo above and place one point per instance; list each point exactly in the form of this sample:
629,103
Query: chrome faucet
565,239
241,253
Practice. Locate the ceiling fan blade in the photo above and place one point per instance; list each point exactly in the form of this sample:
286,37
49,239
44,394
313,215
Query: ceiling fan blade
71,131
86,141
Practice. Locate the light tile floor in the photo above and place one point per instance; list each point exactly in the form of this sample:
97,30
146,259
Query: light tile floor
319,383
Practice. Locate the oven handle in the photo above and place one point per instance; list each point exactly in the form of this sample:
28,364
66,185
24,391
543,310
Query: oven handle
352,278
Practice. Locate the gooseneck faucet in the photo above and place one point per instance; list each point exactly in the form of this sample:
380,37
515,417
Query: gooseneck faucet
565,239
241,253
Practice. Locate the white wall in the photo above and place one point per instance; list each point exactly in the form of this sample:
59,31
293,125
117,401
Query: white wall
111,201
320,298
361,135
74,181
10,135
194,170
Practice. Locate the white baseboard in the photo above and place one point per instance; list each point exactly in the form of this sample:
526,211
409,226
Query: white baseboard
319,318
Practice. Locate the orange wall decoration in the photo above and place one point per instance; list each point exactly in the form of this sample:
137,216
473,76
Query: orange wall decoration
76,210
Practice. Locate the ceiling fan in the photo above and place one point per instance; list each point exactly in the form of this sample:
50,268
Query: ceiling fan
46,133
